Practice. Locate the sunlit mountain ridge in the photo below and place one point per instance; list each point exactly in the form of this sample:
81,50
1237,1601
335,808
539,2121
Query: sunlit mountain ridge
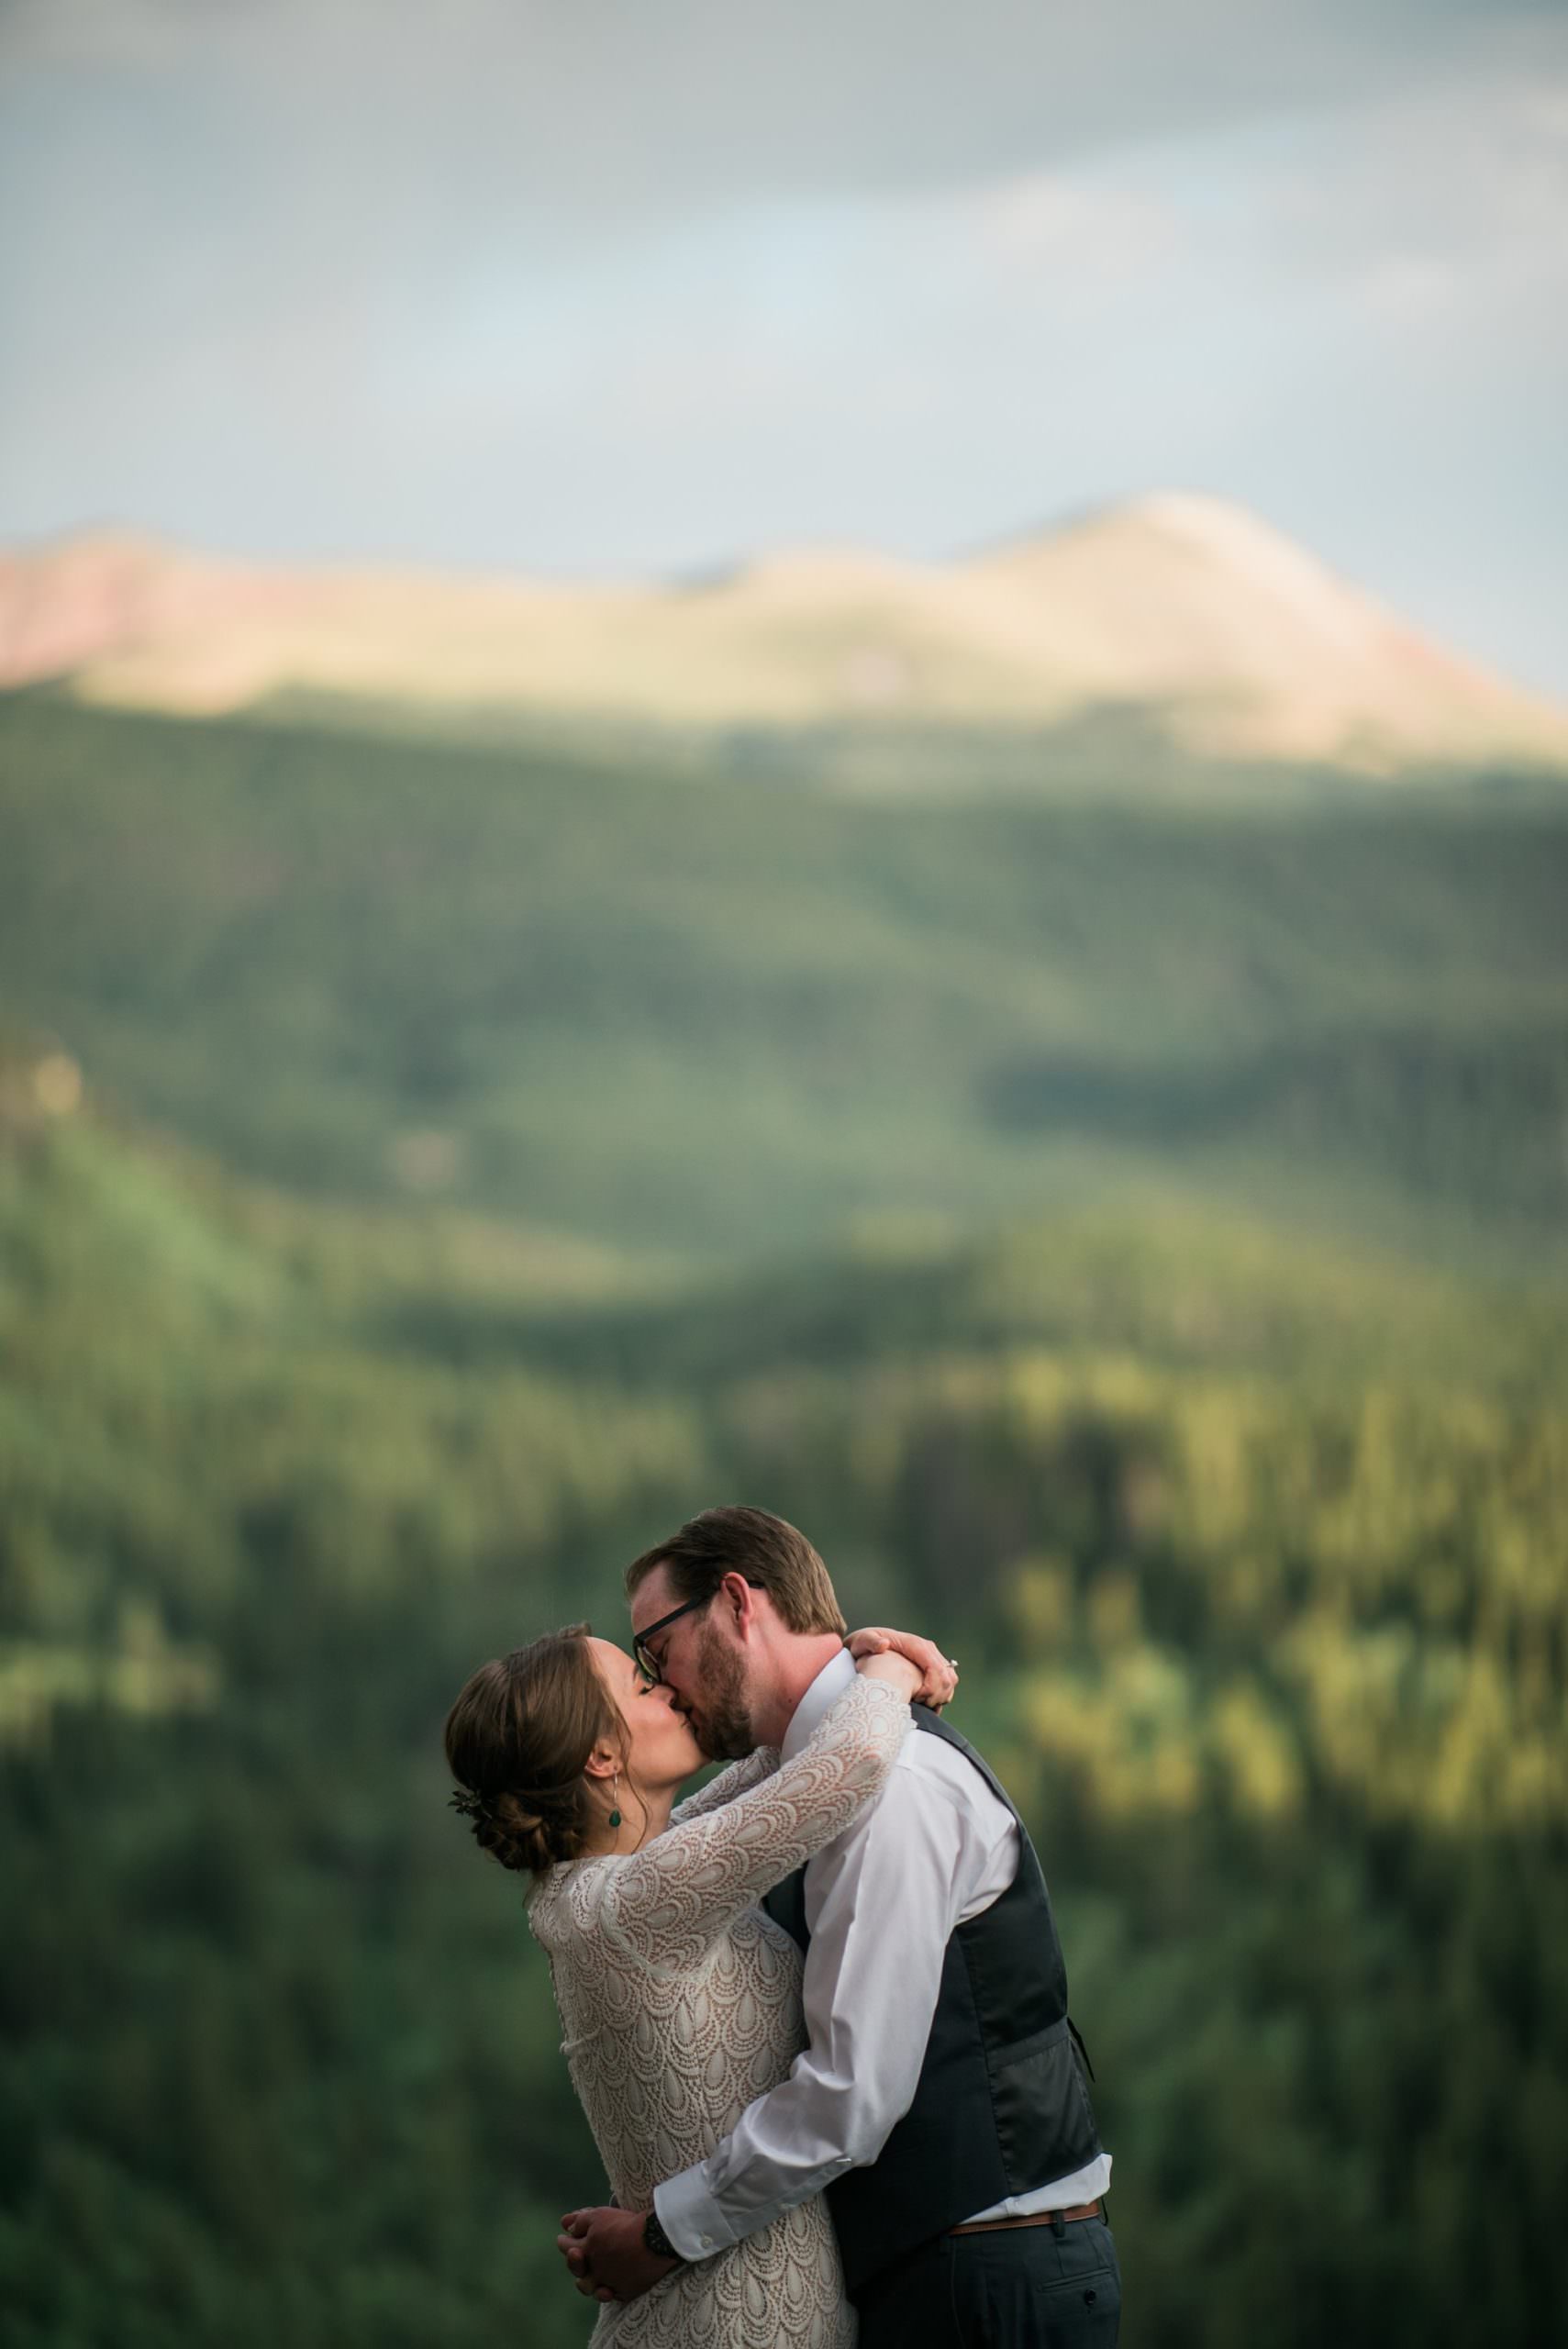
1183,618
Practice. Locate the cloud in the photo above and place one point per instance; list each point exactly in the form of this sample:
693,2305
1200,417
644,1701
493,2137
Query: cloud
587,113
1051,219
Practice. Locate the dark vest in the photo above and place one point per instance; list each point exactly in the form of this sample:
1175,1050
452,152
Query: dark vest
1001,2105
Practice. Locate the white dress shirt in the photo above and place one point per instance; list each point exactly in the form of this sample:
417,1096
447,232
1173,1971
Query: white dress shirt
882,1902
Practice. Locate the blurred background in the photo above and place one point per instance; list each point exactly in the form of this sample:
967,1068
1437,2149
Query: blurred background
819,757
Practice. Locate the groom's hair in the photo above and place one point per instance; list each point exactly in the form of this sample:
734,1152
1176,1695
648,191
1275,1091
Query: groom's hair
772,1556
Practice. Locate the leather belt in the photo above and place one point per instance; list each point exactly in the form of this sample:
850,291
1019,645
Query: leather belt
1033,2219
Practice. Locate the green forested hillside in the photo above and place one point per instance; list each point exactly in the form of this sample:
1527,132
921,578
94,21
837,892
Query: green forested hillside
1251,1551
716,1015
1126,1233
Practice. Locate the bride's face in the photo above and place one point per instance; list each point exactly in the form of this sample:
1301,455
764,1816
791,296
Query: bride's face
660,1748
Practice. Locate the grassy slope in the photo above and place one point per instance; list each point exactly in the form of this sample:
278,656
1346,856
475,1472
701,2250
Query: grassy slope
694,1014
181,1354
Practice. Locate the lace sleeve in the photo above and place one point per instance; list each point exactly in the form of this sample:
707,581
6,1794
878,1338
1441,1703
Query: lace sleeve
736,1780
669,1901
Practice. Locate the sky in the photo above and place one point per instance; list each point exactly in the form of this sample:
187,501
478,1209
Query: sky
640,286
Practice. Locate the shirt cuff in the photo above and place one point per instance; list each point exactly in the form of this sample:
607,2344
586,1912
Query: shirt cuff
690,2216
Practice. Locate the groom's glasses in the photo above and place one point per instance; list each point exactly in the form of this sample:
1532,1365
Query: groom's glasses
648,1664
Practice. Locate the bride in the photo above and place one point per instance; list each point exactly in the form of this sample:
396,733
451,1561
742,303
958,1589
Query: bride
679,1999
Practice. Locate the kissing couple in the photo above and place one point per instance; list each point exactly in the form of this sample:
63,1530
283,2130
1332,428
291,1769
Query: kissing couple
815,2013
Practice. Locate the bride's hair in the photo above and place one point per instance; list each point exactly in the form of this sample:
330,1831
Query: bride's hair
517,1742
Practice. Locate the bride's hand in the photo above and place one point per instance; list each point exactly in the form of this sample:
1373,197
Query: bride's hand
937,1674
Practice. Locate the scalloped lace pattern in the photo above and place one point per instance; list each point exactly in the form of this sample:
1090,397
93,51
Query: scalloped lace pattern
681,2002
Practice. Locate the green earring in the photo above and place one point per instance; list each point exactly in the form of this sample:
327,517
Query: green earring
615,1815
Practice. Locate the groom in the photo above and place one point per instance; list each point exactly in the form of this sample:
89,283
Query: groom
941,2101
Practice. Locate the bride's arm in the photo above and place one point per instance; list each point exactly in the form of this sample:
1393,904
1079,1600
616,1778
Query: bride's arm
939,1673
939,1679
669,1900
738,1778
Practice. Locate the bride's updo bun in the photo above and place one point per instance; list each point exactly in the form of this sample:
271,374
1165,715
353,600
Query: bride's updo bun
517,1743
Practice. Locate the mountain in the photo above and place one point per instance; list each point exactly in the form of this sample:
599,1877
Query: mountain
1178,622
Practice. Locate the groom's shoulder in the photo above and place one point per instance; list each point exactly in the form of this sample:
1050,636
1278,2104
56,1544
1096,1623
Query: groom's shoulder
942,1763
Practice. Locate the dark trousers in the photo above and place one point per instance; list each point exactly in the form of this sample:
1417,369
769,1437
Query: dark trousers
1011,2288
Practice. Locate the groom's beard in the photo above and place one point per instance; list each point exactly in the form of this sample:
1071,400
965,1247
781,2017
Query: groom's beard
720,1722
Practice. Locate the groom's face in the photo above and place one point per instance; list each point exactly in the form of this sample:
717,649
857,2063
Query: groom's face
704,1667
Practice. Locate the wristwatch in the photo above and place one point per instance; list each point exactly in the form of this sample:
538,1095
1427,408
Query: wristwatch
655,2240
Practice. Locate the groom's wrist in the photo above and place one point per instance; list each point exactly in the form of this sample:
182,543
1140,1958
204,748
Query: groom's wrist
656,2241
689,2215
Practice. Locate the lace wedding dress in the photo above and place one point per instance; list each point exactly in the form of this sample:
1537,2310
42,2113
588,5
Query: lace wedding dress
681,2002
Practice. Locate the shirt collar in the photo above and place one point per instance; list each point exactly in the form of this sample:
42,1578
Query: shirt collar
817,1702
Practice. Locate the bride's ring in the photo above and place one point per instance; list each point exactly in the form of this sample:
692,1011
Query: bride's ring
952,1661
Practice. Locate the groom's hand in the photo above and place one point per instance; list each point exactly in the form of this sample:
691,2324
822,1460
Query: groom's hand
606,2252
